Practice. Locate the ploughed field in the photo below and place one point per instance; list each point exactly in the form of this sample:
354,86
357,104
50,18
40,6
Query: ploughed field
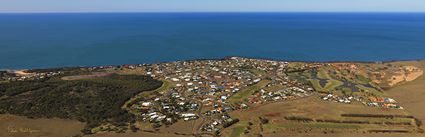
231,97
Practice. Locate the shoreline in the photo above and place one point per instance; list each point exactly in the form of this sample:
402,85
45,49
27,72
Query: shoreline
204,59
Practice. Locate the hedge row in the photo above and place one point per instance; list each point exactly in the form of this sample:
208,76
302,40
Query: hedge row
377,115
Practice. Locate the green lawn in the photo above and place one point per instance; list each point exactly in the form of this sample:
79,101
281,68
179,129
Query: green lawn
316,84
371,90
347,91
164,87
296,64
237,131
332,84
323,75
362,79
307,75
244,93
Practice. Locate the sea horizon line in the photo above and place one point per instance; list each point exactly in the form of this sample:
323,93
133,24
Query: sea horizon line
183,12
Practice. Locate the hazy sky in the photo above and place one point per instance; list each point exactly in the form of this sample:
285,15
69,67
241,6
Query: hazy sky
211,5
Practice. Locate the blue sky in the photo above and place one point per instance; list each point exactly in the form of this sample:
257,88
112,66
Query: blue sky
212,5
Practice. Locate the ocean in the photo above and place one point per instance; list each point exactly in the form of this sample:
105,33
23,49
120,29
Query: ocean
44,40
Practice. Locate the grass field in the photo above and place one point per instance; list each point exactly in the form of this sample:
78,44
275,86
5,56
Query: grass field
316,84
19,126
411,95
313,107
237,131
311,125
347,91
244,93
398,120
165,86
330,85
323,75
362,79
257,72
371,91
296,64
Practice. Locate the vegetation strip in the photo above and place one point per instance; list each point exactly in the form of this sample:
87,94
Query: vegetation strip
96,101
377,115
311,125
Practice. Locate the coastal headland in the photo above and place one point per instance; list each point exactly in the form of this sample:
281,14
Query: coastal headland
234,96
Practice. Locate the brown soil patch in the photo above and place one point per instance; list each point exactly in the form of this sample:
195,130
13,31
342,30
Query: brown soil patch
22,73
136,134
410,73
411,95
275,114
312,107
352,134
93,75
17,126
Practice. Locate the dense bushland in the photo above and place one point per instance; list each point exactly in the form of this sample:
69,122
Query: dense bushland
95,101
